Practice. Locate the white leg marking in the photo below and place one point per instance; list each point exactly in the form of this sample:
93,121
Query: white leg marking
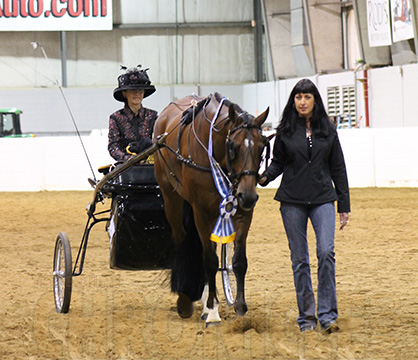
213,315
204,300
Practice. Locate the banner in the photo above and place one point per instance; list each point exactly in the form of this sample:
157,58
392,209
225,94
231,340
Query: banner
402,27
378,23
55,15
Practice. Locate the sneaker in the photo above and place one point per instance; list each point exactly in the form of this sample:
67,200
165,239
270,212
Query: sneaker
307,328
331,328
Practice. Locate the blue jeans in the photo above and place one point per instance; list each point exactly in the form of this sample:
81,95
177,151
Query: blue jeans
295,220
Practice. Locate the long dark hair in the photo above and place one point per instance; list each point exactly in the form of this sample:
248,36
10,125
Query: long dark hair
320,123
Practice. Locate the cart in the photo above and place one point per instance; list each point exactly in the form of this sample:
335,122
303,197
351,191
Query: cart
140,237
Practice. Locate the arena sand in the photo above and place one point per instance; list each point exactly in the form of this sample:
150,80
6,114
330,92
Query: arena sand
132,315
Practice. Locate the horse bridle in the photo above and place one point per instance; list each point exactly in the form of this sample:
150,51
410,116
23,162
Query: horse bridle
236,177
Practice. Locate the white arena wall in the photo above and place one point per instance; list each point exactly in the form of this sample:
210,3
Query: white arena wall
382,155
374,157
392,95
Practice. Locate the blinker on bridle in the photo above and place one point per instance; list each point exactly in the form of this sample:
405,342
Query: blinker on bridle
235,178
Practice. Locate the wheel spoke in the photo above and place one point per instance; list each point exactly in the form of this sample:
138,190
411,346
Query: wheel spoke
59,273
228,275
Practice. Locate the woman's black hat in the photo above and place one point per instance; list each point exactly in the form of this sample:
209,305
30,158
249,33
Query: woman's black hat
133,79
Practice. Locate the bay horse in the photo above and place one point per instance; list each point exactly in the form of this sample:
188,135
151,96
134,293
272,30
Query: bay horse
191,199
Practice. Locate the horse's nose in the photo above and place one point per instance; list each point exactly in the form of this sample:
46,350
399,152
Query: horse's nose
247,201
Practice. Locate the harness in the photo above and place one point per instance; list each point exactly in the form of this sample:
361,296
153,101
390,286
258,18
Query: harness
188,119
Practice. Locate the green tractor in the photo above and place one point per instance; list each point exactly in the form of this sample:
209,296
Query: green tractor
10,123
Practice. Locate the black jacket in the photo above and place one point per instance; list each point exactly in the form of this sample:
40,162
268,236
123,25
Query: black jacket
309,179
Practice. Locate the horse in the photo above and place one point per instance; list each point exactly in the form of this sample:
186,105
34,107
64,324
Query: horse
191,199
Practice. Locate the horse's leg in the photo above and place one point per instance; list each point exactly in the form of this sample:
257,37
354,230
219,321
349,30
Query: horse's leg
239,264
187,275
173,207
239,261
211,265
204,300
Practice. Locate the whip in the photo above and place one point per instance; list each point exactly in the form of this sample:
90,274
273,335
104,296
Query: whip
36,45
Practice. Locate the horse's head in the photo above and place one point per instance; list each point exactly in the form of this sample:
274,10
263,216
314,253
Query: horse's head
244,148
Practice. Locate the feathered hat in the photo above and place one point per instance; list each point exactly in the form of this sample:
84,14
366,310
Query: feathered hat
134,78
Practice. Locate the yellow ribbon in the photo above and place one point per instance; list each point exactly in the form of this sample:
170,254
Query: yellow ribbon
222,239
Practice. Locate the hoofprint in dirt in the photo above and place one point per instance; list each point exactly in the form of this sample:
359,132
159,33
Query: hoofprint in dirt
132,315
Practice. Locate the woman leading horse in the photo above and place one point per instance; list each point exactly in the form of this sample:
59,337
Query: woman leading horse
204,133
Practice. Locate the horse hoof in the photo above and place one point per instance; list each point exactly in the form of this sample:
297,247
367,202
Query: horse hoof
184,306
204,316
241,309
213,323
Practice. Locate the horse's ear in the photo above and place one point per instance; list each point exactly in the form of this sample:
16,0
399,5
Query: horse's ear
260,119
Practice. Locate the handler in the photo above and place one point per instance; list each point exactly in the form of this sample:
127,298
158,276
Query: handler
130,128
308,153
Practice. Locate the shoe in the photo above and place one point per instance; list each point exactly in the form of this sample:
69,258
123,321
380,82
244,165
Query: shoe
307,328
331,328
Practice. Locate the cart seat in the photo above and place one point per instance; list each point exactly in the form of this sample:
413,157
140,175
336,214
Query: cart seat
142,174
135,179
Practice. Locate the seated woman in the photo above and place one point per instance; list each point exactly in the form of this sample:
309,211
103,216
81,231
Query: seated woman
133,124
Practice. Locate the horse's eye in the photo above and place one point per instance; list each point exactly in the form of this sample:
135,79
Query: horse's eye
231,148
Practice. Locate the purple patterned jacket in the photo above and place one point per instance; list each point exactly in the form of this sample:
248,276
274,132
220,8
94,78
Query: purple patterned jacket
125,127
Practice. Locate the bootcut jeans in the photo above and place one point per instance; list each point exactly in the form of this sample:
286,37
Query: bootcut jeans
295,220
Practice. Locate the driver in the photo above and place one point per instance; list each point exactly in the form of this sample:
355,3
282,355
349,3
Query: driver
130,128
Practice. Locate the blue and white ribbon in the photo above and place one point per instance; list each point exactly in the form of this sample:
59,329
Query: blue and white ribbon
224,231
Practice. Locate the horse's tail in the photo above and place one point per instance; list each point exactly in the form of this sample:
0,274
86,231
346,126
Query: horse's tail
187,275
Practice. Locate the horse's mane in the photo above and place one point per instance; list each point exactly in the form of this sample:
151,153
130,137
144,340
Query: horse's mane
244,115
228,103
193,110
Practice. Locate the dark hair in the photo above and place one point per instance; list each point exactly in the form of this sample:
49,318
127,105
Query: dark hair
320,123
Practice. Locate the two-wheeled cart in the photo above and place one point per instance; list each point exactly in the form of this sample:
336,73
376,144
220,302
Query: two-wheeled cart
140,236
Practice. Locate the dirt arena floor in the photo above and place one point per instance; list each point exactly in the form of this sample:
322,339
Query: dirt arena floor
132,315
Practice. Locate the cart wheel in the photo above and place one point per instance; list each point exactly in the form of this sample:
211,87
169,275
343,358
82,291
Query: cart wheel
228,277
62,273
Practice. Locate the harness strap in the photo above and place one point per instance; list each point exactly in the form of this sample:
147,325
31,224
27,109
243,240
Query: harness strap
237,177
191,112
186,119
187,161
